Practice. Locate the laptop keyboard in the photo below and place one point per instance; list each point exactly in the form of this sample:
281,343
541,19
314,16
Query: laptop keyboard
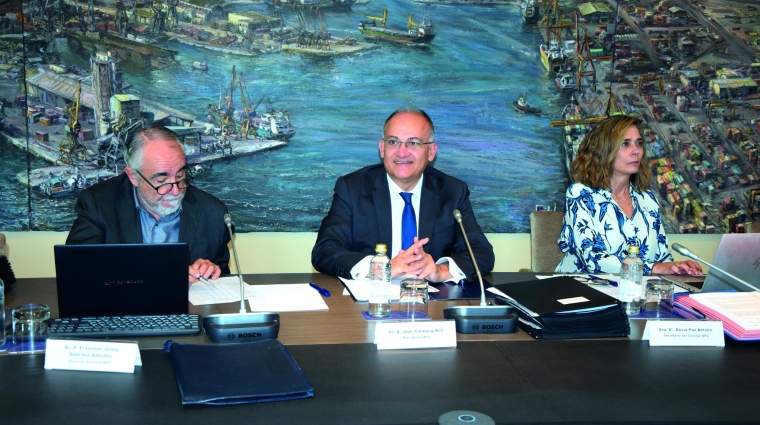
123,326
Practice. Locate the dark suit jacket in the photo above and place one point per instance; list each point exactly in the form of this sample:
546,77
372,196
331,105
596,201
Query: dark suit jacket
106,214
360,217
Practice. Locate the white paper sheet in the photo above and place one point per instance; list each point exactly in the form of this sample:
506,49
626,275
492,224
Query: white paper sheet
225,290
285,297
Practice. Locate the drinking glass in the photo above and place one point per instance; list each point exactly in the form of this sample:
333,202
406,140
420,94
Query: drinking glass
413,299
30,327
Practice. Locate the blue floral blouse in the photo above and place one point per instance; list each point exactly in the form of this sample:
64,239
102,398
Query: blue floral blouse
596,233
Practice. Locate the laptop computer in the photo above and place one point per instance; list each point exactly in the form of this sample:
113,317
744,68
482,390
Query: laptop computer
121,280
738,254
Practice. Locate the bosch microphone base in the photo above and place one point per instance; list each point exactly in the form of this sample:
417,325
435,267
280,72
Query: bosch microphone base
492,319
241,327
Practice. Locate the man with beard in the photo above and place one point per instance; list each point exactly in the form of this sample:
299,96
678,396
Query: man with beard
153,202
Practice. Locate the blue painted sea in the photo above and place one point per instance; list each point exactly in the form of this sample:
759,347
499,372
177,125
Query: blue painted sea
480,61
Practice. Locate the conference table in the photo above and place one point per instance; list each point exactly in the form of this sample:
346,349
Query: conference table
511,378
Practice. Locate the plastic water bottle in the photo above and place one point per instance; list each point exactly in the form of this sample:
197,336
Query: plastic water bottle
379,283
2,313
631,277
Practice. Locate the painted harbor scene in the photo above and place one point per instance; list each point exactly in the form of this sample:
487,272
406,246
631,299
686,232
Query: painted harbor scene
275,100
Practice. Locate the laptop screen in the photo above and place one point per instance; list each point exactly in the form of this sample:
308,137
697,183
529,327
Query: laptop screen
121,280
738,254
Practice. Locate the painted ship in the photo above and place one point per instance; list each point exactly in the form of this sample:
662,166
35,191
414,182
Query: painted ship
565,82
321,4
522,105
531,11
552,56
416,34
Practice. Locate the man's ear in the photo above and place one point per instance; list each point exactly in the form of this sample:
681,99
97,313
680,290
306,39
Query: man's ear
132,175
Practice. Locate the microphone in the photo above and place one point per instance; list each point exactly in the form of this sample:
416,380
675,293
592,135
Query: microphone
228,222
458,217
243,326
687,253
483,318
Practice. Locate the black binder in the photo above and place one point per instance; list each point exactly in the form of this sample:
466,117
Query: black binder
561,308
237,373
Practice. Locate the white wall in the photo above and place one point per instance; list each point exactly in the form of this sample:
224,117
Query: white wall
31,253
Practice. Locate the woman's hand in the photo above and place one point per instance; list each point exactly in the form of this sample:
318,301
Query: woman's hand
678,267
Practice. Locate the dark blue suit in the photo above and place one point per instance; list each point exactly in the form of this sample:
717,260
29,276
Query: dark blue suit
106,214
360,217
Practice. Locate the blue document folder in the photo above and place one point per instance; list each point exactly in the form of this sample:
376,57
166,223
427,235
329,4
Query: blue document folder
237,373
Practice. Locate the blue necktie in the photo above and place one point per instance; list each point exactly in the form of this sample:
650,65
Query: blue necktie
408,222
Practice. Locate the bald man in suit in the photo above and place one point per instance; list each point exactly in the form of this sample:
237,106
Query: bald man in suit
368,206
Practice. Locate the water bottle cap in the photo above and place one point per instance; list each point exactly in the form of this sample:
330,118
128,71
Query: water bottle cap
381,247
633,249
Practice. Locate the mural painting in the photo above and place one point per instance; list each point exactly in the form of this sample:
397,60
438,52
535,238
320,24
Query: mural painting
275,100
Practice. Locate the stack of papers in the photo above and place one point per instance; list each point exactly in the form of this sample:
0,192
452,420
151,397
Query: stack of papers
739,311
277,298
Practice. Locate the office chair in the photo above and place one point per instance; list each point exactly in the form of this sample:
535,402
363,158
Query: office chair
545,227
753,227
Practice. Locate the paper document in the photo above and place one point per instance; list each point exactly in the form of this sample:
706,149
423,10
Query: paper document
743,308
225,290
285,297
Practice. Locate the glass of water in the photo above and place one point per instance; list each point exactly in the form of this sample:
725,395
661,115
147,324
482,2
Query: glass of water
30,327
413,299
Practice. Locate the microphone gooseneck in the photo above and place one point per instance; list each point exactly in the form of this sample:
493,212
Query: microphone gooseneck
687,253
228,222
458,217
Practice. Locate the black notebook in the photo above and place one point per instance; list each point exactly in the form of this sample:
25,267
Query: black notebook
237,373
561,307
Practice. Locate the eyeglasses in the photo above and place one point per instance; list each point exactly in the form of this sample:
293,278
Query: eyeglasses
165,188
411,144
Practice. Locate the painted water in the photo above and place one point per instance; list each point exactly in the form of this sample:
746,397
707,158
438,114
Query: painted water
480,61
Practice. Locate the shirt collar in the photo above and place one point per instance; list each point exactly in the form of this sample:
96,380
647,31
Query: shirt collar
395,189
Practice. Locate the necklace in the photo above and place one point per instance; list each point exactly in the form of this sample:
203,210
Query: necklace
619,199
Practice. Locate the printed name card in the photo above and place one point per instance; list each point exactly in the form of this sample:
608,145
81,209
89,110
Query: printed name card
693,333
94,356
424,334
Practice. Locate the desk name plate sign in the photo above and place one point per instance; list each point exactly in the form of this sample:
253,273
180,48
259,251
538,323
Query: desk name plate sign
692,333
395,335
92,356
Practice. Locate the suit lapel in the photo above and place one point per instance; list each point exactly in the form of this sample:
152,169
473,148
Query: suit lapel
185,218
129,217
429,207
382,200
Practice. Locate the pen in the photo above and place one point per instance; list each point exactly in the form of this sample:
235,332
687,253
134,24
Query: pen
611,282
322,291
206,281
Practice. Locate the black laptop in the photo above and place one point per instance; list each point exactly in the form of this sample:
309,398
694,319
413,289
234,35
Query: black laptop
121,280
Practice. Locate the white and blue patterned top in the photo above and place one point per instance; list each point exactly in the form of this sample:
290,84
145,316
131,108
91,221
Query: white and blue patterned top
596,233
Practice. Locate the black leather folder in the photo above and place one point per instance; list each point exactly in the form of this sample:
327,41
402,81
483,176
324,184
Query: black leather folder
561,308
237,373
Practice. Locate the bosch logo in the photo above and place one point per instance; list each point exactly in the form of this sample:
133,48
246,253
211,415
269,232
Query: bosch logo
492,327
475,327
231,336
249,335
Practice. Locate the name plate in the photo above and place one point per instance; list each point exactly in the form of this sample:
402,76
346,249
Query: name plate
424,334
94,356
693,333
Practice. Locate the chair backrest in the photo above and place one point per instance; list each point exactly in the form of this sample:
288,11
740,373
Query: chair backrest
545,227
753,227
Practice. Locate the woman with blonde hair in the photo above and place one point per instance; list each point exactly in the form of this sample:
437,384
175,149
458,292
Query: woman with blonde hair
609,207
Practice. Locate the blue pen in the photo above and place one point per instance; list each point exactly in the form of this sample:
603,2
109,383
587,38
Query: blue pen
322,291
597,278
